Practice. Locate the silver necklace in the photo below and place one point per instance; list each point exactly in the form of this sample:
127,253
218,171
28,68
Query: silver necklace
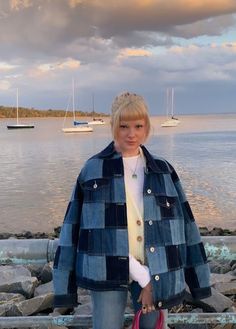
133,171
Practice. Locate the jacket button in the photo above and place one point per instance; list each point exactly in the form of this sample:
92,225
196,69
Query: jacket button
152,249
138,222
139,238
149,191
159,304
157,278
95,185
167,204
150,222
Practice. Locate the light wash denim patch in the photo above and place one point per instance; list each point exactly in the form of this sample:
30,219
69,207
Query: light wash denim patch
122,246
156,258
177,231
93,215
179,281
118,190
93,169
92,267
66,235
169,185
203,274
71,216
192,233
60,281
151,210
180,191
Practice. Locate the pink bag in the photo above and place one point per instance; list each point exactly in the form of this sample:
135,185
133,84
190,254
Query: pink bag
159,324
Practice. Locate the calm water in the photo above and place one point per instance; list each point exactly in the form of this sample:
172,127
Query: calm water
39,168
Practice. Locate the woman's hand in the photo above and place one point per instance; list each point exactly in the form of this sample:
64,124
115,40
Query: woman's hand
146,299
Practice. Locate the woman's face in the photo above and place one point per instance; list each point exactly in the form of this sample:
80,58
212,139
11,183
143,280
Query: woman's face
130,135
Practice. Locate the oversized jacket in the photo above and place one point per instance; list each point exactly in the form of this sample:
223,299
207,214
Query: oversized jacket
93,250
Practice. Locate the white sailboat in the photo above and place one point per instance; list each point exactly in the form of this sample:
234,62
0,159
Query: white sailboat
19,125
95,121
171,121
78,127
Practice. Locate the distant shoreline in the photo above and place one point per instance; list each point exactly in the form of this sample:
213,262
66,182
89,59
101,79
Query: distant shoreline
204,231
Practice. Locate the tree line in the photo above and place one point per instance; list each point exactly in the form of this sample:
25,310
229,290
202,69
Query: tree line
10,112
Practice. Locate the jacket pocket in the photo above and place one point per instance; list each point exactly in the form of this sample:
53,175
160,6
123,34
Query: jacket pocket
169,207
96,190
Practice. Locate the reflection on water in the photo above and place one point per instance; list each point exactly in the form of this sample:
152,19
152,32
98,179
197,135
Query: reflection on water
39,168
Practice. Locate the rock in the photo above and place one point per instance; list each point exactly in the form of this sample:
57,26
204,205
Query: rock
17,279
7,300
218,278
35,270
44,289
226,288
219,267
46,274
217,302
31,306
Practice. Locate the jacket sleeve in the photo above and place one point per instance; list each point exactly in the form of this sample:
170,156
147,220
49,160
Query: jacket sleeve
197,272
64,278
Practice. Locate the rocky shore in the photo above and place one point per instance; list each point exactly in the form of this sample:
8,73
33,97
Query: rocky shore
28,290
216,231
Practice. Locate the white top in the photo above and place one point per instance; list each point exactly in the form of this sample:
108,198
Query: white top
134,166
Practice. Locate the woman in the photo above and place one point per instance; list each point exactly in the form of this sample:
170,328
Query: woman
129,226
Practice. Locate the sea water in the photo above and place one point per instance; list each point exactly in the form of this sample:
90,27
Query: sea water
38,168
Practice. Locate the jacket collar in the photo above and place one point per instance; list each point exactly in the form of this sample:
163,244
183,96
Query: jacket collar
151,164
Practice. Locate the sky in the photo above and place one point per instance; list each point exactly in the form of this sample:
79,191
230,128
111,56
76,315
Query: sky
111,46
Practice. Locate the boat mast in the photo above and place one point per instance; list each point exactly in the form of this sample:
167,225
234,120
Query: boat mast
172,102
93,104
73,98
17,107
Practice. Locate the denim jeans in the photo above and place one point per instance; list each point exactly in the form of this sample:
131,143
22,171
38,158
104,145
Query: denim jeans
109,308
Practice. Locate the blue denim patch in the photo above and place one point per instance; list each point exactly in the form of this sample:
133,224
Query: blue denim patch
66,258
203,274
192,233
157,262
180,191
177,231
169,185
122,245
60,281
72,215
92,169
91,267
118,190
66,235
151,211
93,215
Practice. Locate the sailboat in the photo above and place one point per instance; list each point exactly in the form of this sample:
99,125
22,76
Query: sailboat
95,121
78,127
19,125
171,121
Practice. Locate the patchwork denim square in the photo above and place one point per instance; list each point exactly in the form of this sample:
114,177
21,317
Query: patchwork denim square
177,231
91,267
60,281
93,215
192,233
72,215
169,185
66,235
156,257
151,211
203,274
92,169
180,191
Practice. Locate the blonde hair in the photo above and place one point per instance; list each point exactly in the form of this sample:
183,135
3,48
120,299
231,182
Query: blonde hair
126,107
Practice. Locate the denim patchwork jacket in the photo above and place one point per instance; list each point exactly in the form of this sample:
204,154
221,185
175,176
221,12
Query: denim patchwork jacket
93,246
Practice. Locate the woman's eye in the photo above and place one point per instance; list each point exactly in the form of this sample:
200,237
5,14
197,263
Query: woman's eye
123,126
139,126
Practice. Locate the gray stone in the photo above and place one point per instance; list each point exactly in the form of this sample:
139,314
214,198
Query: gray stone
218,278
31,306
44,289
226,288
46,274
217,302
17,279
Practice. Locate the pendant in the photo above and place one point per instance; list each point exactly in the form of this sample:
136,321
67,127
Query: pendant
134,175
